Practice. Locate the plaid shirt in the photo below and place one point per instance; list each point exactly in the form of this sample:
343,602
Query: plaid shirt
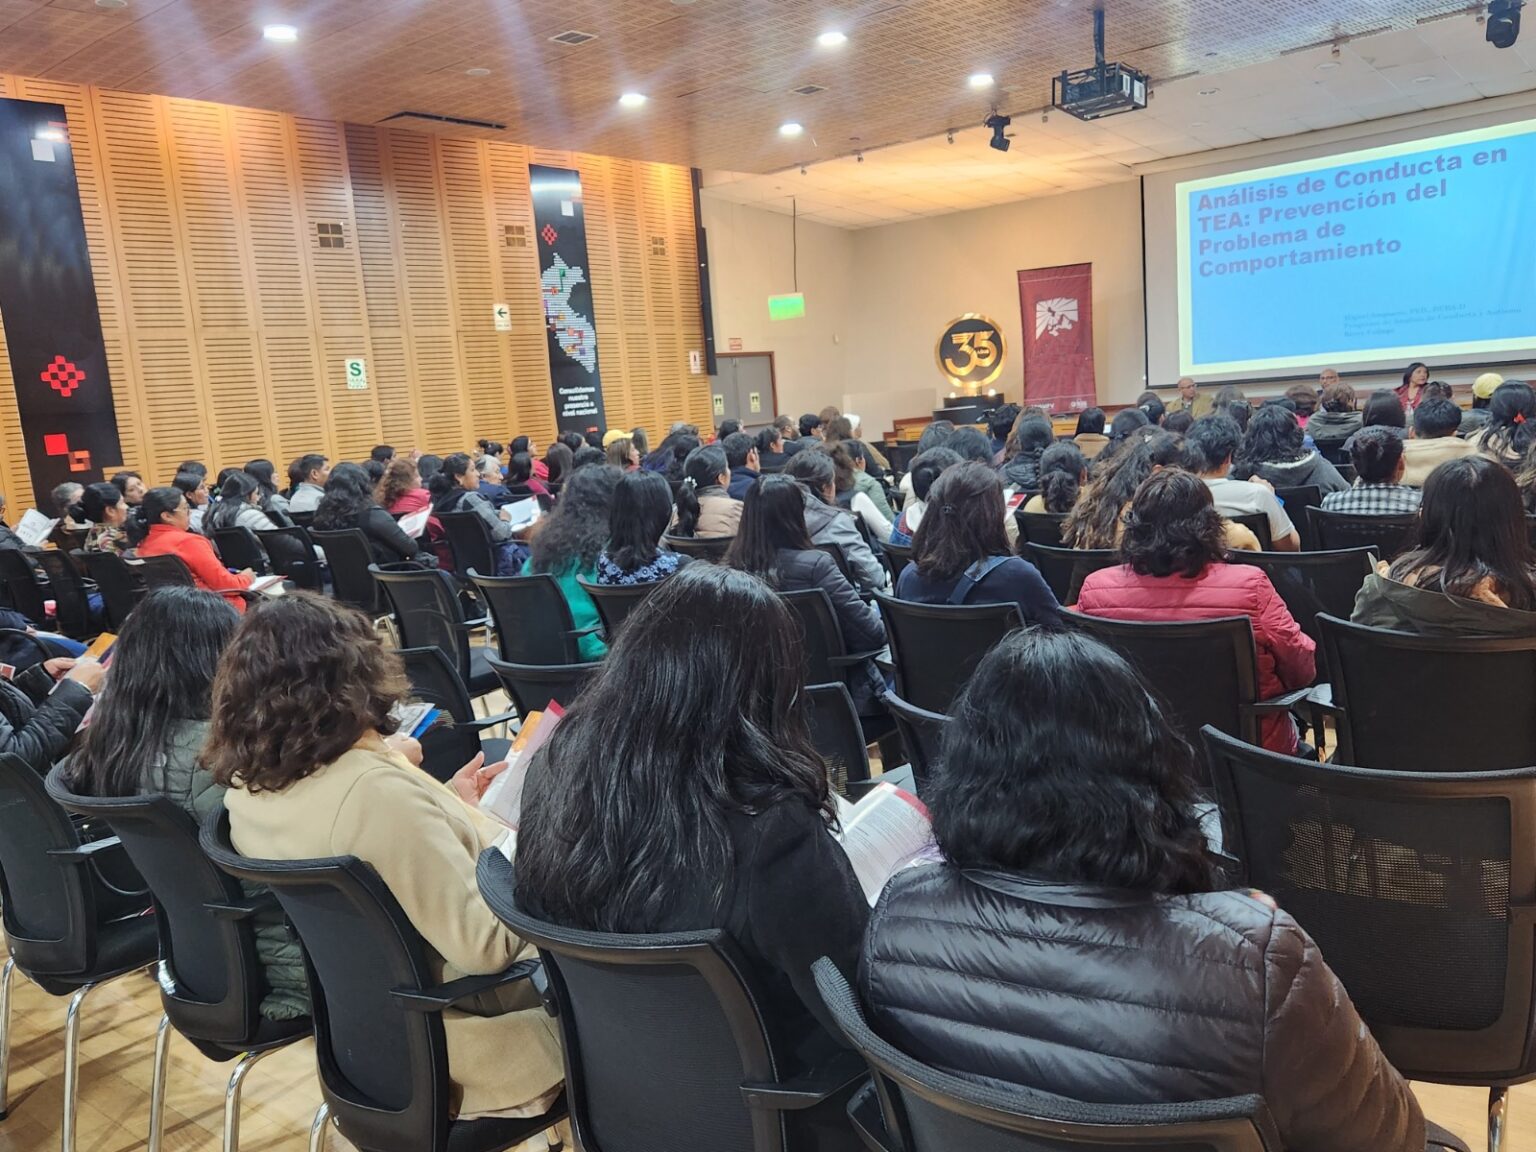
1374,500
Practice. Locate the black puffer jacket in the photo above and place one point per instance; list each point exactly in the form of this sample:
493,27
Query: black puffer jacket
1107,996
797,570
37,718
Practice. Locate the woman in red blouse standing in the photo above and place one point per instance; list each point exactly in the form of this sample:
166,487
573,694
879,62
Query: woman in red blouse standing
165,516
1411,391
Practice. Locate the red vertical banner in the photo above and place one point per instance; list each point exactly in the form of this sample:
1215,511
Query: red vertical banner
1057,306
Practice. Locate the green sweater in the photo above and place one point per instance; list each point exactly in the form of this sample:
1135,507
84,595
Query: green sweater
584,615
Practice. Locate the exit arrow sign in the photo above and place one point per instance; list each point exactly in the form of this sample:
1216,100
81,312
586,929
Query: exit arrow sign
502,315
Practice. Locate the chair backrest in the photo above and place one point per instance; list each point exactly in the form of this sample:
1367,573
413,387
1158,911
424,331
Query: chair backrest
661,1032
919,1108
1419,889
898,556
428,612
292,553
710,548
48,902
67,591
239,548
1385,682
120,585
821,633
349,557
27,594
1296,501
532,686
1389,535
533,620
383,1067
840,558
1201,671
302,519
1065,569
435,681
1313,582
922,732
68,539
166,571
1039,527
1258,524
470,540
936,647
210,977
616,601
837,734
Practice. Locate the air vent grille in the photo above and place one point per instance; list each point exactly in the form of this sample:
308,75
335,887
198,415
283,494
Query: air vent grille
514,235
330,235
574,37
808,89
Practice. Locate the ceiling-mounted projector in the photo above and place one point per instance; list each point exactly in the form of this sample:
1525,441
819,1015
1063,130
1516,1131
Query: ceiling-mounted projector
1104,89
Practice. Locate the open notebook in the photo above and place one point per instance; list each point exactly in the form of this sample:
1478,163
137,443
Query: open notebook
886,831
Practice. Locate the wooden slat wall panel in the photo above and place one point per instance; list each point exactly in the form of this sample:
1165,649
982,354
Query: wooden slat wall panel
226,325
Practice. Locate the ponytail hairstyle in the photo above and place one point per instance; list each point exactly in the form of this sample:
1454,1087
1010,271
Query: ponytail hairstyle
95,500
233,495
156,503
444,484
701,469
1511,421
1062,467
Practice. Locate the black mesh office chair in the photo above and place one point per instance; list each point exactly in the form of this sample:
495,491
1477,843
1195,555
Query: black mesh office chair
827,659
26,591
120,584
292,553
1419,888
209,975
470,541
897,557
429,614
1038,528
165,571
67,926
445,748
665,1038
303,519
1296,501
531,687
239,548
708,548
1389,535
914,1107
1314,582
836,734
378,1011
1065,569
1391,690
935,647
533,620
616,601
922,732
1258,524
349,557
70,594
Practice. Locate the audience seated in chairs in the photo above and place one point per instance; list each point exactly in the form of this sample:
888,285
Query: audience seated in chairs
401,493
273,502
1208,452
521,478
104,507
569,542
925,469
845,484
160,528
455,488
1511,427
194,486
308,475
1062,475
147,733
131,485
829,524
1470,572
239,506
773,544
1337,420
1173,567
1097,520
42,706
704,504
349,503
311,775
1377,455
960,554
696,711
1075,879
1274,450
1434,440
637,520
671,454
491,487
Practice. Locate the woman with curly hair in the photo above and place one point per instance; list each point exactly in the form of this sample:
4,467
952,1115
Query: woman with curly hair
1173,567
314,774
570,541
1274,450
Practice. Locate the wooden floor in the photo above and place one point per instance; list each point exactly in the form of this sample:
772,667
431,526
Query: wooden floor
281,1095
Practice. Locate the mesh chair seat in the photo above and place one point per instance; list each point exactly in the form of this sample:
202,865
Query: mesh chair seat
533,620
1314,582
922,733
470,540
429,614
708,548
936,647
292,553
1389,535
1065,569
350,558
1039,527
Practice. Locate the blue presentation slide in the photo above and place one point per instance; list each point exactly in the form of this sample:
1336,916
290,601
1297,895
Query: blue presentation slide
1408,251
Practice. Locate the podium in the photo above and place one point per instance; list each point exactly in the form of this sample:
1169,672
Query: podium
969,409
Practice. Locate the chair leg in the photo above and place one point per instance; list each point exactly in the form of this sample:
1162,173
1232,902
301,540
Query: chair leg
5,1036
553,1140
317,1128
1498,1113
232,1099
72,1066
157,1084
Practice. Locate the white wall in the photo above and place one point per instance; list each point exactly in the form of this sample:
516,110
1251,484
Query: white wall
750,260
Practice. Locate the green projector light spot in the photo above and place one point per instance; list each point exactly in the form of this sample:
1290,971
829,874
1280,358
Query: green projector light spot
789,307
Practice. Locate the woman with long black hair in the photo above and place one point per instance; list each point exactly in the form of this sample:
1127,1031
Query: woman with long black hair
569,542
455,487
239,505
1274,450
348,503
641,511
1511,427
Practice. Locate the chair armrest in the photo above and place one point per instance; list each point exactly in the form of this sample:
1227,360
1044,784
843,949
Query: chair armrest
865,1116
809,1090
474,625
481,723
853,659
585,631
242,909
1281,703
457,991
84,852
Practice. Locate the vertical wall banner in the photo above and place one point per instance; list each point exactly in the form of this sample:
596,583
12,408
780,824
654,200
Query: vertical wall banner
48,302
568,314
1057,306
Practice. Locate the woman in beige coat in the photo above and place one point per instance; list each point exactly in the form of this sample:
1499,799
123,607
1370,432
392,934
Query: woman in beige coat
301,720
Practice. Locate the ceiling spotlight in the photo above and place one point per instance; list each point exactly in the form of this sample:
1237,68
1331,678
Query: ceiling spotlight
832,39
790,130
999,123
950,135
280,33
980,80
111,3
477,73
632,100
1503,27
1209,91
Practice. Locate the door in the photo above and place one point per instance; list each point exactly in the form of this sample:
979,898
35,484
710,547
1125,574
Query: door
742,388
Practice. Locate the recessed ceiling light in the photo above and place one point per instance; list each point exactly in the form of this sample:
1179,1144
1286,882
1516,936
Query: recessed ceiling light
477,72
281,33
1327,64
790,130
1423,79
111,3
980,80
632,99
1197,123
832,39
1209,91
